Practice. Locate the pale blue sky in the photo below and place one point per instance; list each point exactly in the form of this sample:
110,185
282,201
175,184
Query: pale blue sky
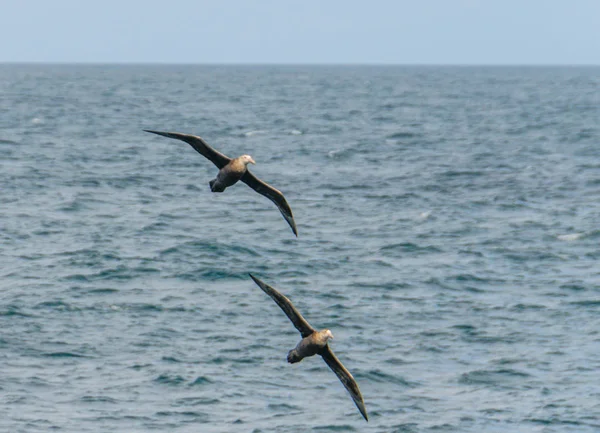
307,31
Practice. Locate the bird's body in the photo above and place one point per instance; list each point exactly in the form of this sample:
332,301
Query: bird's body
233,170
309,346
314,342
231,173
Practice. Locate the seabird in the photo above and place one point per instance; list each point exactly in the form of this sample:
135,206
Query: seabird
232,170
314,342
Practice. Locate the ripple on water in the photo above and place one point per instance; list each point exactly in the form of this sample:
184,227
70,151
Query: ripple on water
500,378
332,427
201,381
197,401
382,377
170,379
64,355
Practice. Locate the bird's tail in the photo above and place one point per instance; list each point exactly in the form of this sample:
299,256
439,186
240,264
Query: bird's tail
215,187
293,357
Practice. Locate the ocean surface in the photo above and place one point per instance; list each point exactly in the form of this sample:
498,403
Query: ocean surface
449,236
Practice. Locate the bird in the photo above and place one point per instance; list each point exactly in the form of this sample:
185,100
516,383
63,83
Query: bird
314,342
232,170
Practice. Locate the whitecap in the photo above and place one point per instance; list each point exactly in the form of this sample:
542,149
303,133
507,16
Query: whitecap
295,132
37,120
253,133
570,237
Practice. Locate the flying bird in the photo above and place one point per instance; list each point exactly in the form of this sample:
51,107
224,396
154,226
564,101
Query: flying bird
314,342
232,170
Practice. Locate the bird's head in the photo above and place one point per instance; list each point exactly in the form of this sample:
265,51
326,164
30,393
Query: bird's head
247,159
327,334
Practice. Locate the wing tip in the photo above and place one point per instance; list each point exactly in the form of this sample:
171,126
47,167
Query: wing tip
363,412
291,222
164,134
258,282
360,403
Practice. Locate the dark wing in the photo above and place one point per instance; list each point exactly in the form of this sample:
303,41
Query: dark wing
200,145
286,305
272,194
346,378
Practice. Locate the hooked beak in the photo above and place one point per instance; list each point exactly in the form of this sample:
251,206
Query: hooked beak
252,161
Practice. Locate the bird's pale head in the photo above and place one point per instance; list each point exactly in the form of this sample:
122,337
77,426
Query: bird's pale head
322,337
247,159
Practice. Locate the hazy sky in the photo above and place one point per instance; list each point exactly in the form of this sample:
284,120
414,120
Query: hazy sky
307,31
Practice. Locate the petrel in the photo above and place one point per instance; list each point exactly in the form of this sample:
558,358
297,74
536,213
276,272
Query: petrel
232,170
314,342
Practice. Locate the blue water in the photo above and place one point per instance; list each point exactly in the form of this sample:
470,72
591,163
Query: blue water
448,236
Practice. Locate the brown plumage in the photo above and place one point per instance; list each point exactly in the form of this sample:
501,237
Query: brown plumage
232,170
314,342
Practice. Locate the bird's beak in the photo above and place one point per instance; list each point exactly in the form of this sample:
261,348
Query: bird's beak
252,161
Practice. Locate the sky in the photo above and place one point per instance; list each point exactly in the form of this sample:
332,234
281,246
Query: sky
496,32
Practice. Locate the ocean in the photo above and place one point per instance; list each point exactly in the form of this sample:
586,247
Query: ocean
449,237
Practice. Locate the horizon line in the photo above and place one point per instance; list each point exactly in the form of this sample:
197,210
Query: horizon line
119,63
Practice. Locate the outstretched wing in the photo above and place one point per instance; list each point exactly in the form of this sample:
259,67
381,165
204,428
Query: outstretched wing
272,194
286,305
200,145
346,378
